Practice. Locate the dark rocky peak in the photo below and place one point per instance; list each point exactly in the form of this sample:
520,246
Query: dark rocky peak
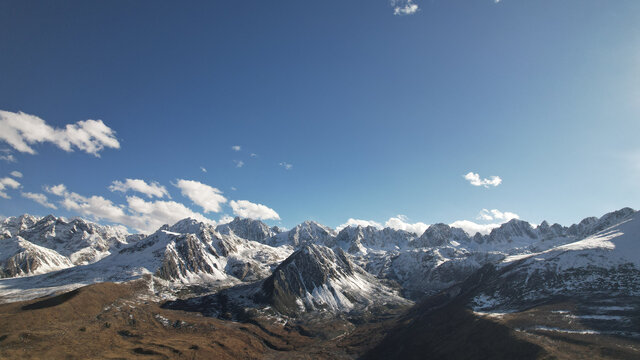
254,230
188,226
352,237
308,268
548,232
11,226
188,255
440,235
592,225
309,232
479,238
613,218
514,228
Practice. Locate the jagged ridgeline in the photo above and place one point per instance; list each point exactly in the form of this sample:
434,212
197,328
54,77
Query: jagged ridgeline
246,264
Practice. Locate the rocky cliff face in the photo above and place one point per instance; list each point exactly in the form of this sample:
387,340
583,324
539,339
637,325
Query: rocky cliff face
19,257
311,268
249,229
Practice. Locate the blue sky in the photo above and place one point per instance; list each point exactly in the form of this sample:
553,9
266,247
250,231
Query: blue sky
378,113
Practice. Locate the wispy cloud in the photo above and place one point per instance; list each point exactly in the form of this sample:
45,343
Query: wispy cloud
472,228
22,130
404,7
225,219
285,165
150,189
6,183
253,155
239,163
475,180
203,169
7,155
40,199
398,222
495,214
496,217
16,174
203,195
247,209
58,190
401,222
359,222
236,148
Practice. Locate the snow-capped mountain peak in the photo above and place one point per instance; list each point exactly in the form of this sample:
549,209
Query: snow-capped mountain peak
248,229
441,235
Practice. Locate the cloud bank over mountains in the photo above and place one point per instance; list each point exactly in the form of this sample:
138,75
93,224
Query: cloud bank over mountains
147,215
401,222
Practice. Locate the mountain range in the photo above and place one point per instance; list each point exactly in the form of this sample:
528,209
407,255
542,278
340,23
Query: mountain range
245,270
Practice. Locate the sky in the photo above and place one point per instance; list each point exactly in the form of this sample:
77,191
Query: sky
391,113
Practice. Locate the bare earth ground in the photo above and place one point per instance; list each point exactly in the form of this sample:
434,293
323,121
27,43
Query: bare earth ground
114,321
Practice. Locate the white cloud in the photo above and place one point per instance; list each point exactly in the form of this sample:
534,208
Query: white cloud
404,7
96,207
203,169
285,165
247,209
475,180
5,183
139,214
58,190
496,214
150,215
359,222
254,155
236,148
401,222
209,198
16,174
472,228
40,199
239,163
8,158
225,219
21,130
150,189
233,188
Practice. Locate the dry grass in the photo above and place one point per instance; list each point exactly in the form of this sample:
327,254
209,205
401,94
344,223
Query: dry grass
110,321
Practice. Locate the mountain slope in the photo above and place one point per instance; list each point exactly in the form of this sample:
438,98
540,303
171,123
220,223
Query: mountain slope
309,232
317,278
314,279
19,257
605,264
185,254
249,229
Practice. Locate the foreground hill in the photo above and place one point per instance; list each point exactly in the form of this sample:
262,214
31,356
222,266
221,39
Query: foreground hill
125,320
